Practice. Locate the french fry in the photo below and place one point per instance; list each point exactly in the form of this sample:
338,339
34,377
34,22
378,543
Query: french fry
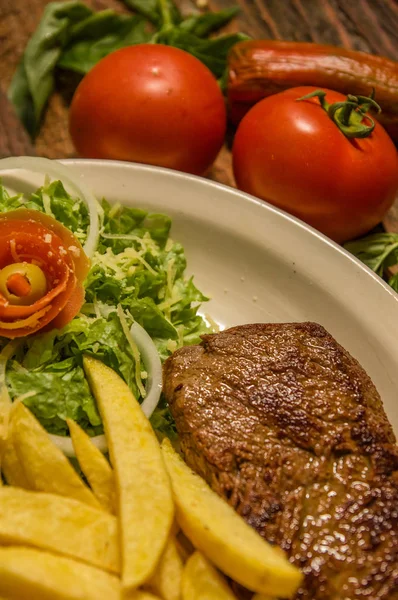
11,466
31,574
201,581
58,524
45,466
94,465
222,535
145,504
262,597
142,595
184,546
167,578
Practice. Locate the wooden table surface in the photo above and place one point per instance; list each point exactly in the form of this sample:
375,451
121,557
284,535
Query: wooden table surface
367,25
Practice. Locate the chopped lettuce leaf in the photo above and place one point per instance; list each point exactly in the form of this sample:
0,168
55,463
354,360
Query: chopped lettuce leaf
8,202
50,366
54,200
162,421
137,266
58,395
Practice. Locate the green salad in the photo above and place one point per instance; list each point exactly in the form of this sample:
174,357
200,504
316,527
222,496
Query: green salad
137,275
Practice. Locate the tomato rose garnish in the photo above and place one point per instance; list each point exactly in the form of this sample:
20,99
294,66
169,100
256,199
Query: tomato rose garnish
42,269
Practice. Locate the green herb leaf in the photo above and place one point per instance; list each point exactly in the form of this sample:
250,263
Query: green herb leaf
213,53
147,8
33,81
136,265
98,36
203,24
162,421
393,282
50,364
58,395
72,37
55,200
8,202
19,94
155,11
378,251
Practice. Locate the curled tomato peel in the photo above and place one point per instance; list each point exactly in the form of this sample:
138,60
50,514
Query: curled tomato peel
71,308
28,236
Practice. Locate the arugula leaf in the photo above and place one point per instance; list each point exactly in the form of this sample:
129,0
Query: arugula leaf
98,36
203,24
33,81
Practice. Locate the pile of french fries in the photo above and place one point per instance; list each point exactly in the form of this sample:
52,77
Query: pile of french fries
142,526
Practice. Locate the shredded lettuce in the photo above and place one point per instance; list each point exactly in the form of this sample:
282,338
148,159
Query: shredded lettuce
52,199
136,266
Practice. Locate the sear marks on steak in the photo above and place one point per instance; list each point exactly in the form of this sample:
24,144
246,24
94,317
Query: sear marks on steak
285,425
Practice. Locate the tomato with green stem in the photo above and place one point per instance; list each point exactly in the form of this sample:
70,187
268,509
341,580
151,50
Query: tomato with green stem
319,156
153,104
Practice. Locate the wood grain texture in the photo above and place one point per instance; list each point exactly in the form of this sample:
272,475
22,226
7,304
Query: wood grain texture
366,25
14,140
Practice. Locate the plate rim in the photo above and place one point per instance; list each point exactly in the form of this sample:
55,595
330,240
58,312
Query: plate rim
261,204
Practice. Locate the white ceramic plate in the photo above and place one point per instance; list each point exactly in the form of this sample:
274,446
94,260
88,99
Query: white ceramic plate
261,265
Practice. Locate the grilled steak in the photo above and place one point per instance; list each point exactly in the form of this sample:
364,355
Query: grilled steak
287,427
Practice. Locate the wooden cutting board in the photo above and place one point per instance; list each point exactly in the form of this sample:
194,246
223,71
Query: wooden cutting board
368,25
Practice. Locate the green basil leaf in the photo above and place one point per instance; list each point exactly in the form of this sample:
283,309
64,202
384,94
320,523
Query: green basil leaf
378,251
33,81
202,25
98,36
173,13
147,8
213,53
393,282
159,12
19,94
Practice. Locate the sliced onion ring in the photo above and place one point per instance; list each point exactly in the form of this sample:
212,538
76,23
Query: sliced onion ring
59,171
151,360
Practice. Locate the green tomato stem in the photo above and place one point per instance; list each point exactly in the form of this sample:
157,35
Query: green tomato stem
349,115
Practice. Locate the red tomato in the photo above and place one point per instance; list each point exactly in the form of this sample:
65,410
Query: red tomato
294,156
151,104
